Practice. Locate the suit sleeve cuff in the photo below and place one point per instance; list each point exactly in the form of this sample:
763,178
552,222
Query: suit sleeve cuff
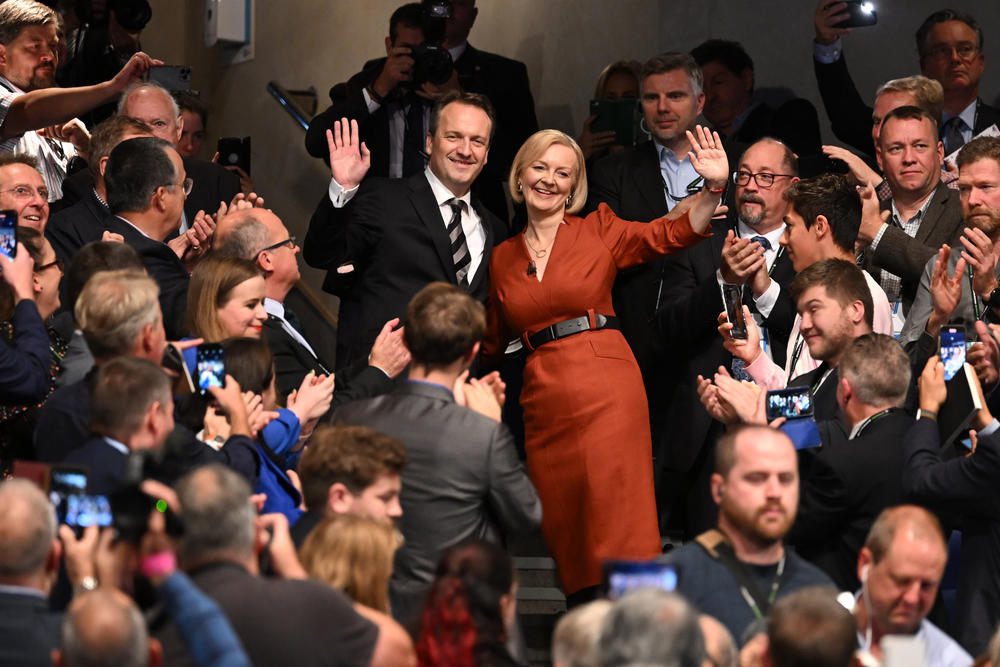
828,54
878,237
989,429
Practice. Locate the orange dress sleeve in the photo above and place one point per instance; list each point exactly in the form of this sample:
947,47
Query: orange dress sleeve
632,243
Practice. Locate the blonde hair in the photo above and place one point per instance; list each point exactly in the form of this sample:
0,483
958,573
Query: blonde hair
113,308
211,283
353,554
532,149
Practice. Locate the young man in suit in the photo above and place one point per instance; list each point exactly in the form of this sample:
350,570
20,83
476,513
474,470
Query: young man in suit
463,478
384,242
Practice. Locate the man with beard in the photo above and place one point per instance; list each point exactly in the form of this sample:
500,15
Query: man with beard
946,292
737,571
742,252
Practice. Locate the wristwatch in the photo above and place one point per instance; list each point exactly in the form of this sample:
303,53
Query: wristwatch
87,584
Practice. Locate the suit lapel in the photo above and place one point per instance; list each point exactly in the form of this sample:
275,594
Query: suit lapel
648,181
427,210
933,214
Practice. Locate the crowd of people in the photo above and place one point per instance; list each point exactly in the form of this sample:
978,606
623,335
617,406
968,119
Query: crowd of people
533,335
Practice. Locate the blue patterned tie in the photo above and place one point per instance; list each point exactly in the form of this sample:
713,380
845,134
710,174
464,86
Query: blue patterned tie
762,240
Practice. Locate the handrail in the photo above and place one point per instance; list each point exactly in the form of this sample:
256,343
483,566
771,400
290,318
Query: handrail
284,98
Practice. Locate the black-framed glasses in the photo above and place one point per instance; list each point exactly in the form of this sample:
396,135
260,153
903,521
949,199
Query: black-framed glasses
56,262
290,242
762,179
965,51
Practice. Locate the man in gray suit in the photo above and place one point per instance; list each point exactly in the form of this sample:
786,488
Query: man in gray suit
463,478
923,213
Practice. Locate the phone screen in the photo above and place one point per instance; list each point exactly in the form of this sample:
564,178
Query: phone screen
74,506
622,576
790,403
952,350
8,233
732,295
211,371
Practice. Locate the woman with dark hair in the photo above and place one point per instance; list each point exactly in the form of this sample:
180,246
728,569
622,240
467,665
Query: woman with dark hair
470,609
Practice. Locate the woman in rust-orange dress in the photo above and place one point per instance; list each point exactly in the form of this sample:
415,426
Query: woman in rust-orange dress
585,416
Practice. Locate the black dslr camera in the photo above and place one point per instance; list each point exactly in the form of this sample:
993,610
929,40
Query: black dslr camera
431,61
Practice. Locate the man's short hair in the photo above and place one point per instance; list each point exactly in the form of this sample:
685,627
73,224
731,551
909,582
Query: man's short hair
725,449
532,149
104,628
7,159
98,256
979,149
833,196
410,15
175,108
135,169
16,15
109,134
674,60
113,308
940,16
477,100
245,240
928,93
910,112
354,456
883,530
650,626
843,281
574,640
218,516
124,389
810,627
442,324
882,384
27,528
729,54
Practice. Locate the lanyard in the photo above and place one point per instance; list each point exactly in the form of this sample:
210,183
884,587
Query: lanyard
824,374
759,605
874,418
799,340
972,292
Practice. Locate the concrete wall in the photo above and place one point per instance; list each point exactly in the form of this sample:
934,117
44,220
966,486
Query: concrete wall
563,43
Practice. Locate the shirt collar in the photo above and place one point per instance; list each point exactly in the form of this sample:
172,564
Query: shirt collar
22,590
134,227
275,308
968,115
919,214
6,83
442,195
746,231
667,156
457,51
120,446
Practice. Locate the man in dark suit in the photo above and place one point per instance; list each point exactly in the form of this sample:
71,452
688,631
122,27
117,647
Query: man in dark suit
688,318
381,247
950,46
966,486
922,215
71,228
392,112
289,620
29,563
855,476
260,236
463,478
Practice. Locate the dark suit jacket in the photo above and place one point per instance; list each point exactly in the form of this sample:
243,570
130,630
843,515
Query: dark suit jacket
279,621
851,117
688,322
848,484
106,465
166,269
906,257
24,364
462,480
966,485
28,630
825,397
72,228
502,80
394,235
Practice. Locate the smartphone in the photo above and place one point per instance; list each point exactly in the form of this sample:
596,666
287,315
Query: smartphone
617,115
211,368
860,14
732,296
790,403
952,349
80,510
621,576
234,151
8,233
173,362
171,77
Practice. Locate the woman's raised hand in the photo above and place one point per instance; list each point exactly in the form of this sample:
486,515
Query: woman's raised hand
708,157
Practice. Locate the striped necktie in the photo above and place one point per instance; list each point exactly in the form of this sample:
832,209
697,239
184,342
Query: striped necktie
459,248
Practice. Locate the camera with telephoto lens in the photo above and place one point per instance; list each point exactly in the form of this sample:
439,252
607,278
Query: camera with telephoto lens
431,61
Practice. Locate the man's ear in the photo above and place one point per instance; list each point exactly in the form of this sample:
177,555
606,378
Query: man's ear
718,484
821,227
388,45
54,557
3,54
471,354
746,78
180,128
339,498
878,156
102,164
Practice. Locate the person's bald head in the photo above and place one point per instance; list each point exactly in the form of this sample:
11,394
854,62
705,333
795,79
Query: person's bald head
259,235
155,107
104,627
28,546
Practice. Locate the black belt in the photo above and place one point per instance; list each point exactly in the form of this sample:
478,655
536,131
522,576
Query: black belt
570,327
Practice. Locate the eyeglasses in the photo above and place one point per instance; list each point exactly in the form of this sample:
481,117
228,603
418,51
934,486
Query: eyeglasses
290,242
56,262
186,186
24,192
763,180
965,51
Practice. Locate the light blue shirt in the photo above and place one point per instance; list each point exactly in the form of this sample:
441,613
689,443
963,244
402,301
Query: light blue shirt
678,175
968,117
